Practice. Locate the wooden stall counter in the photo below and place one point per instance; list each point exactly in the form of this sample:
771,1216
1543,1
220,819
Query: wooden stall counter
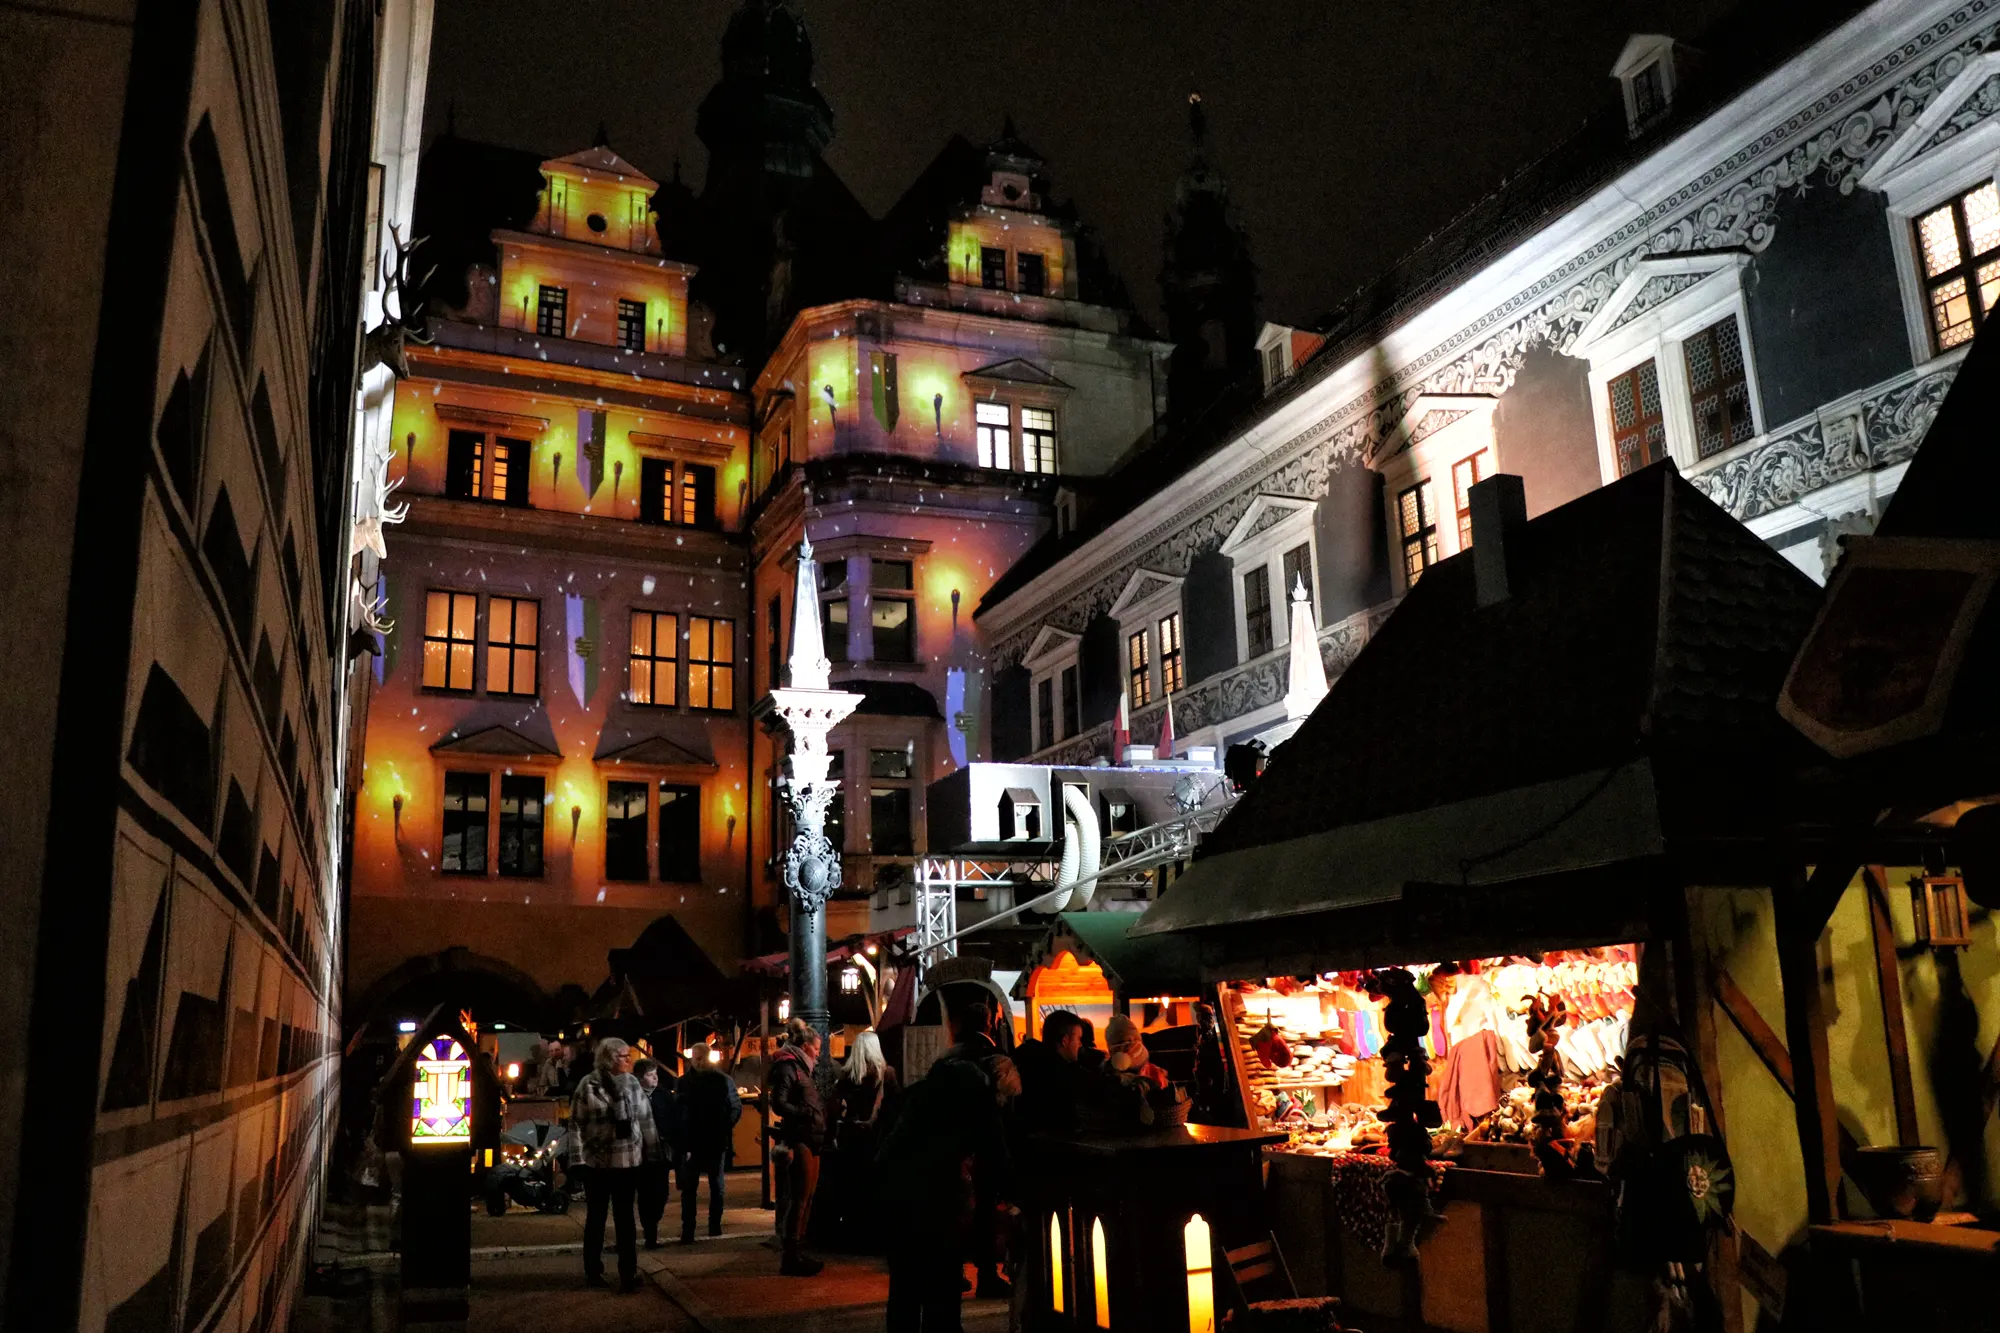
1515,1252
1914,1274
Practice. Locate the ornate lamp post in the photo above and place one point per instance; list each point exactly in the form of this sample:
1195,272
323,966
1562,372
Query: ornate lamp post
807,710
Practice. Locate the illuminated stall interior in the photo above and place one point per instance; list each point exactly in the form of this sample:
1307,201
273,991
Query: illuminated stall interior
1088,965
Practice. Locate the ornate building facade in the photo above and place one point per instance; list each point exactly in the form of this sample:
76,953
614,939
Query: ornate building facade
184,343
1762,264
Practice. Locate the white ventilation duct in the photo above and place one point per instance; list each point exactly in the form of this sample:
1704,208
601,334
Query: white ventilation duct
1081,845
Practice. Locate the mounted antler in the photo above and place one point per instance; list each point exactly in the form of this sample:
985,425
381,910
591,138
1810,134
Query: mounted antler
368,611
403,318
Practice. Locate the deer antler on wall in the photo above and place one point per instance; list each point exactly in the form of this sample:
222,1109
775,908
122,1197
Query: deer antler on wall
367,611
403,318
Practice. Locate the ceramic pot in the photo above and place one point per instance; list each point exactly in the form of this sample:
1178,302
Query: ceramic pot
1901,1182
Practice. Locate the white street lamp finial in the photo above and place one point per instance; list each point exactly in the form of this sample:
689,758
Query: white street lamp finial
1307,685
809,668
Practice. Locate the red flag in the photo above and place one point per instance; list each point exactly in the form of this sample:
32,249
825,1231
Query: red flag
1166,750
1121,730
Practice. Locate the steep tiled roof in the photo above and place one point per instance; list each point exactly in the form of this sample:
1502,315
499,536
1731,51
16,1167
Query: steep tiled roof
1645,623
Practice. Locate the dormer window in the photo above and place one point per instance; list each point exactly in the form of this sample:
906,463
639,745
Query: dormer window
1645,71
993,268
552,312
1032,273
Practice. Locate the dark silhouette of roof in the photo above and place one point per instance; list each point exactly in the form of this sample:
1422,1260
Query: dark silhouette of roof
466,190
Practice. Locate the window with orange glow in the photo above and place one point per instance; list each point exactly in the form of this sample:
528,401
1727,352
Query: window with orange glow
1465,473
711,655
655,655
1638,421
1138,670
1416,521
1958,248
448,640
1172,674
511,640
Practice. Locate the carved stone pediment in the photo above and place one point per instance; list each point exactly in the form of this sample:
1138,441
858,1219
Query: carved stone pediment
1651,283
1143,587
1964,117
1265,512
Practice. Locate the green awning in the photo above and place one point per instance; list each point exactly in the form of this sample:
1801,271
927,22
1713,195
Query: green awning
1159,965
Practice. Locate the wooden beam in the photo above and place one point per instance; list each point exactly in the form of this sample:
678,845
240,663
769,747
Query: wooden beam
1768,1047
1889,981
1821,892
1799,922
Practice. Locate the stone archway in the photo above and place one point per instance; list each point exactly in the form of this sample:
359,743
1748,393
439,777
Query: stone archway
492,988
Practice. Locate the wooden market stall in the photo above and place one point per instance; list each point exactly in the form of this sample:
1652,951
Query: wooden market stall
1564,750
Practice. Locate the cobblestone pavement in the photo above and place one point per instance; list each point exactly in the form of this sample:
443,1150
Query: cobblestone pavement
527,1277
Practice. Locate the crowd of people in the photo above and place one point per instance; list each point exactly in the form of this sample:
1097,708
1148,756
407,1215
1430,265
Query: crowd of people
929,1173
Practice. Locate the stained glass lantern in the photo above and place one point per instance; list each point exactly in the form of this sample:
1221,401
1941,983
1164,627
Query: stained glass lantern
441,1095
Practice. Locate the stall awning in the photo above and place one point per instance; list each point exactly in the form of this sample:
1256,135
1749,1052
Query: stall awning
1573,823
780,964
1135,967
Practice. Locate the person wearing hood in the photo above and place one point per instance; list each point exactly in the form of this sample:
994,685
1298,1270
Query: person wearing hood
1129,1057
797,1142
655,1173
612,1119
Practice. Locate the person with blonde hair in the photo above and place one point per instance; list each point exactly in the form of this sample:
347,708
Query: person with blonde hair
612,1119
865,1099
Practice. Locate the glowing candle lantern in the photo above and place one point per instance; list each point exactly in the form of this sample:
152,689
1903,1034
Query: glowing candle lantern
1055,1264
1200,1276
441,1098
1101,1271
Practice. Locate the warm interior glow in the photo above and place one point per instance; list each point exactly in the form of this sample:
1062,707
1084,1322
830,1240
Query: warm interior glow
1200,1276
513,1069
1055,1264
1100,1272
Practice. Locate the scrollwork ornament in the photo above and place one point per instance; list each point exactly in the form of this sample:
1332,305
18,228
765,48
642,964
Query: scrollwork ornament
812,865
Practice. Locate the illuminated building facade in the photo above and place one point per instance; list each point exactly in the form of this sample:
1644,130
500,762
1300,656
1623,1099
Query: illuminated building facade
1763,265
559,721
924,444
189,281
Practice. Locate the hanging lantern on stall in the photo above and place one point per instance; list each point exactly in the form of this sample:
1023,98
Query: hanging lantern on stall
1200,1275
1938,904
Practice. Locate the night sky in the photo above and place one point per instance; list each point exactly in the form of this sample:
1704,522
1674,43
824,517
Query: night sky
1349,129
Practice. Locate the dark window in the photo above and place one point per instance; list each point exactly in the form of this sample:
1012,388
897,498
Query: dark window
671,492
1298,567
170,749
1138,671
183,426
224,549
1416,524
833,610
482,467
465,796
1032,272
711,659
1274,363
889,821
775,630
632,325
1038,440
1716,388
680,833
552,313
448,640
656,490
655,653
1045,712
625,831
1638,427
520,824
1071,703
266,682
1257,609
211,190
1649,94
1958,245
992,268
836,810
892,619
889,764
1172,673
1465,474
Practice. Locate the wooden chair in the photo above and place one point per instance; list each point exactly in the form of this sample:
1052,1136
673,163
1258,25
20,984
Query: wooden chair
1262,1295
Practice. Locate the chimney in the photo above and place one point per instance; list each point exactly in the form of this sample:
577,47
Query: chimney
1499,508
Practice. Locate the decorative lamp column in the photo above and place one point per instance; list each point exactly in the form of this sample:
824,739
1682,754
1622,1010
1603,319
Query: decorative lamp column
807,710
1307,685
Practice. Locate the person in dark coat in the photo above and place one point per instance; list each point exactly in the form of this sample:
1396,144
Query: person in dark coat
1050,1077
798,1141
948,1134
972,1025
656,1172
706,1109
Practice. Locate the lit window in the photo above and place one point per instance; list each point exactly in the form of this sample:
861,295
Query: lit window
483,467
511,637
1958,245
625,831
1717,389
465,796
1172,674
632,325
1466,473
1638,426
1038,440
521,797
1257,610
552,312
991,421
1416,522
1138,670
680,833
655,648
711,663
671,492
992,268
1033,273
448,640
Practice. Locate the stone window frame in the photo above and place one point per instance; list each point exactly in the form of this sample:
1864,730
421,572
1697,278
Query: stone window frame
1053,651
